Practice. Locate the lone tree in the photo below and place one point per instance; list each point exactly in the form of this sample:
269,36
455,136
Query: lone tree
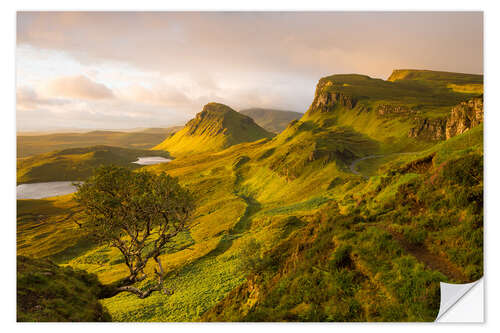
138,213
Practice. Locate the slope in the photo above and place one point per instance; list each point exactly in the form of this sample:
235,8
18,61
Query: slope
285,231
49,293
215,128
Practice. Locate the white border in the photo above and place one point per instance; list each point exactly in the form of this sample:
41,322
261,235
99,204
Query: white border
492,137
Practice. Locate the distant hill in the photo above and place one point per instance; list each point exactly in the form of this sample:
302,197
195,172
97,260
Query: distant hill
160,130
75,163
213,129
43,143
272,120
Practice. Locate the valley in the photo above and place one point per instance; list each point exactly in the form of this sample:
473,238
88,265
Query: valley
352,211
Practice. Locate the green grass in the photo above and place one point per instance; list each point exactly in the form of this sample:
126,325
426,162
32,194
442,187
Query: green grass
49,293
45,229
283,231
197,287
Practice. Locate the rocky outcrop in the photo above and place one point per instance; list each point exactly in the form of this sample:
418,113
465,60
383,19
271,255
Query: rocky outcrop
328,99
429,129
465,116
325,99
389,109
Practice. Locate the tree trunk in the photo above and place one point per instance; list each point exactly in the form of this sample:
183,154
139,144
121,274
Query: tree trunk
125,285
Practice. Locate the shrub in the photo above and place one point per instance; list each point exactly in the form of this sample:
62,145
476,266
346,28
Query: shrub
415,235
465,171
341,258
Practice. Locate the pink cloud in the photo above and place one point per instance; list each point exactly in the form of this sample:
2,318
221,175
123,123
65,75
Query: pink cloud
78,87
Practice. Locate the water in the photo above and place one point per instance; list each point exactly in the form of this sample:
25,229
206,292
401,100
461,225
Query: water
44,190
151,160
52,189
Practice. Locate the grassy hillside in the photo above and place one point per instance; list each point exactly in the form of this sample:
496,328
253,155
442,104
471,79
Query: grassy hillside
435,76
39,144
75,163
272,120
49,293
341,217
215,128
378,249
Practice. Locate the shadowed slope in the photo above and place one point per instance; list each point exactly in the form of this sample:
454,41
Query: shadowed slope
48,293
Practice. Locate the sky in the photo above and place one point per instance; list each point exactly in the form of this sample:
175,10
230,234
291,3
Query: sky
123,70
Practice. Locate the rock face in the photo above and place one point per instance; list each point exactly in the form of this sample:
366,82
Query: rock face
389,109
464,116
326,100
429,129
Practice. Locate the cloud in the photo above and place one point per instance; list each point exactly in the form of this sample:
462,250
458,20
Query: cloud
79,87
48,114
131,69
310,43
28,99
158,95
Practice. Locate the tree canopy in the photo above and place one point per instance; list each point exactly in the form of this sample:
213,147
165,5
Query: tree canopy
138,213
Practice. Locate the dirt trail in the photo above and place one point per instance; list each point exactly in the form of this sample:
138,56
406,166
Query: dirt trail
242,225
430,260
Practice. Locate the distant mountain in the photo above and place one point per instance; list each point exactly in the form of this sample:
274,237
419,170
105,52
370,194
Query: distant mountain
272,120
215,128
43,143
160,130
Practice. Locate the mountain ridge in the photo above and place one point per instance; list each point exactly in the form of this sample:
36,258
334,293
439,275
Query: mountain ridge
215,128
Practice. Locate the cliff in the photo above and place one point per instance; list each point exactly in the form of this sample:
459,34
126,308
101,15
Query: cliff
464,116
